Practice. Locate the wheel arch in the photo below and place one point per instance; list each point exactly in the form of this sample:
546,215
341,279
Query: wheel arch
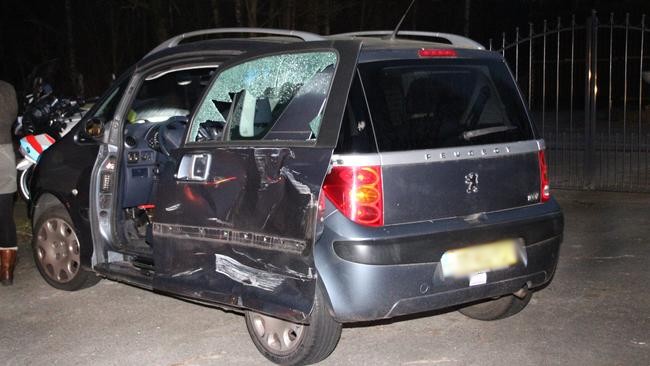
327,302
44,202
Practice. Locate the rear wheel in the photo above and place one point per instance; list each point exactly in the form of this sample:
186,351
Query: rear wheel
57,252
287,343
501,308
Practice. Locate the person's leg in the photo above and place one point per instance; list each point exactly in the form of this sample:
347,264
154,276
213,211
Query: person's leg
8,241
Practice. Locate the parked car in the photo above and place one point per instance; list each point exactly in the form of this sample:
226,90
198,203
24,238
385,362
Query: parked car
307,181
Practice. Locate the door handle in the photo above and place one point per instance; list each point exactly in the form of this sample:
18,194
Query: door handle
194,167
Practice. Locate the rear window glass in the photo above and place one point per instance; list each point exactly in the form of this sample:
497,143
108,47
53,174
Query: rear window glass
356,135
427,104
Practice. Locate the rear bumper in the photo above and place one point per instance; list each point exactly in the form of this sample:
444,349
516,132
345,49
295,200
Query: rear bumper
377,273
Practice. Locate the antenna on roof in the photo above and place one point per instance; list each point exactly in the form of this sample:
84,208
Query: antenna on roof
394,34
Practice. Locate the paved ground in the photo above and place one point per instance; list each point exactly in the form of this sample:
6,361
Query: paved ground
596,312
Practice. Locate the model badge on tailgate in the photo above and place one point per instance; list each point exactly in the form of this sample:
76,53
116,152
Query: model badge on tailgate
471,180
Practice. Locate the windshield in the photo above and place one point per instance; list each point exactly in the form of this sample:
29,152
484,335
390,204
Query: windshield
169,94
427,104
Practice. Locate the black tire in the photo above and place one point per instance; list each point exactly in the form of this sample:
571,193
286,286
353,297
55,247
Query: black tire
53,245
501,308
315,342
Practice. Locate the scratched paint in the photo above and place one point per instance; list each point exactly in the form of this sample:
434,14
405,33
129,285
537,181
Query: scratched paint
245,275
235,237
258,228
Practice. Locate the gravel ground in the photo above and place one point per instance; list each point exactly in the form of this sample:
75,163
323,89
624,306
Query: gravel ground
595,312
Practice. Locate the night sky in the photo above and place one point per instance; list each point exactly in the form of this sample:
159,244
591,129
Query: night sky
101,38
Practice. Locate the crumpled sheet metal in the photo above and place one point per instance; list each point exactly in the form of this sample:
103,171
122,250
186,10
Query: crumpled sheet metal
246,241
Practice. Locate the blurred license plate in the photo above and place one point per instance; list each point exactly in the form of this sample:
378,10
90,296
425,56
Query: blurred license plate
479,258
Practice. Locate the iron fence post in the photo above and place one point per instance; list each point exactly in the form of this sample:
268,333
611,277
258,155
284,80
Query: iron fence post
606,153
591,60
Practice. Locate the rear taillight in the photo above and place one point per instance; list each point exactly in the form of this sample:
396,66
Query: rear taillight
544,188
357,192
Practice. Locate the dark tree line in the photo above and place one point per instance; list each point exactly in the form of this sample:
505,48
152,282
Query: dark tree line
95,40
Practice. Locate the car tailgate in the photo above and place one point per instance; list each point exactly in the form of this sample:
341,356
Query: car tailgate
426,185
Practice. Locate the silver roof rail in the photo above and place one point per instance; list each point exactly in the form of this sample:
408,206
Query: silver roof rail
454,39
174,41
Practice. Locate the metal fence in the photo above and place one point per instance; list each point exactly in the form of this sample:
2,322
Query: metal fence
587,89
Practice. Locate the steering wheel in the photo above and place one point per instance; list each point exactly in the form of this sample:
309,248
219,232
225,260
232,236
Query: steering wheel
210,131
170,134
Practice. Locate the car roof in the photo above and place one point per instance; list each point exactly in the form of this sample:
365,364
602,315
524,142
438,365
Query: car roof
375,45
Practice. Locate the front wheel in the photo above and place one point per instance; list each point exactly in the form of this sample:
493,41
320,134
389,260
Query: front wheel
23,182
286,343
57,252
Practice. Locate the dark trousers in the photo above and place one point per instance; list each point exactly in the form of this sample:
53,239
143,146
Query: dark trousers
7,224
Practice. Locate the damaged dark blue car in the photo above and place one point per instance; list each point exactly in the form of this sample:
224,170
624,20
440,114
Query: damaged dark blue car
307,181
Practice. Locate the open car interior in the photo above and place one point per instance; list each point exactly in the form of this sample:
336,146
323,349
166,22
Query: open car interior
155,126
263,99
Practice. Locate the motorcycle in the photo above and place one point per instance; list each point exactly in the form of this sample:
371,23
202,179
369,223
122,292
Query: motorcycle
44,122
31,147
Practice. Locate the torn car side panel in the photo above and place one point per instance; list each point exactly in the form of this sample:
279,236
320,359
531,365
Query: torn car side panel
245,240
237,225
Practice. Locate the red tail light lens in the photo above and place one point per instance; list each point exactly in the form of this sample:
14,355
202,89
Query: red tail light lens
357,193
427,52
544,189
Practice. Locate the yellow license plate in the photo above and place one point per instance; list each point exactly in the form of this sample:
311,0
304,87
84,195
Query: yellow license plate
480,258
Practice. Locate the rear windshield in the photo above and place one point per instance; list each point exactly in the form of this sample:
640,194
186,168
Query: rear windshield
428,104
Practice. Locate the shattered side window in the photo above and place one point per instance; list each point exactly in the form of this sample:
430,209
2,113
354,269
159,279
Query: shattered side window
280,97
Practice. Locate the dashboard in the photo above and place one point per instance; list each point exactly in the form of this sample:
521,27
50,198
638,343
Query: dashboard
142,157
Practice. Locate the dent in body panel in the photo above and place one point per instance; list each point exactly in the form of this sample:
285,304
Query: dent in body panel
245,275
274,196
267,279
188,272
218,273
251,189
255,228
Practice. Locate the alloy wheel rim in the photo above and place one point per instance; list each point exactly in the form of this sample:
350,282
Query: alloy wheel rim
57,250
278,336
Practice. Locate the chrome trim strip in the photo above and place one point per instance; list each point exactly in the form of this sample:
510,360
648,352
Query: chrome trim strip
356,159
439,155
182,68
174,41
460,153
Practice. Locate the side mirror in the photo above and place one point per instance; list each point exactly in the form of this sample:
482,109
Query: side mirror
93,128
